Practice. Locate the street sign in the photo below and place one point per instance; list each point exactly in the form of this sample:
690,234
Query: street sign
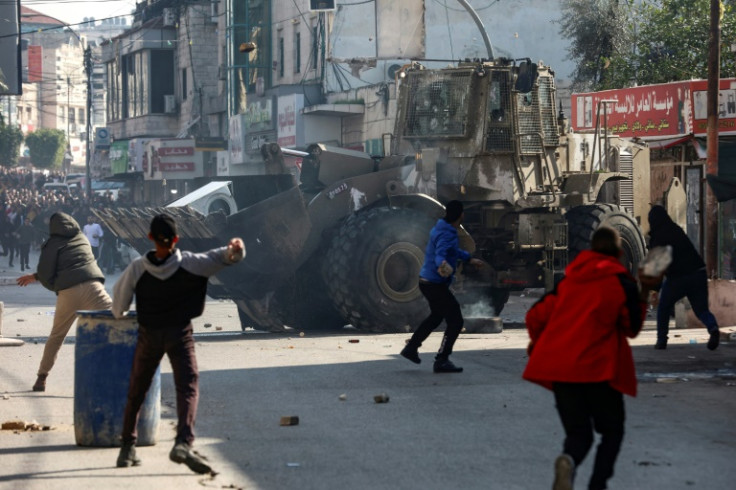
102,138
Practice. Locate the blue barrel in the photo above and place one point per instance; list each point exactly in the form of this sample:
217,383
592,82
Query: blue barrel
103,358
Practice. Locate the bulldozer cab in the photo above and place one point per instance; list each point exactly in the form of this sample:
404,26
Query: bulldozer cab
493,122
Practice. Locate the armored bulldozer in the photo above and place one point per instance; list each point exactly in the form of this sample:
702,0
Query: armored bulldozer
345,245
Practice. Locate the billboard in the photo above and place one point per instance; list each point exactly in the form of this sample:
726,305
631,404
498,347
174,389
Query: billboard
726,106
290,127
10,55
649,111
172,158
666,110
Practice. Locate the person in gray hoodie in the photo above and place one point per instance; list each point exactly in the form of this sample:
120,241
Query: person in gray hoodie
68,268
170,287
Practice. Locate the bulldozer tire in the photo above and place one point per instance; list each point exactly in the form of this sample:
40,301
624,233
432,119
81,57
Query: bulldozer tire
310,306
372,269
582,221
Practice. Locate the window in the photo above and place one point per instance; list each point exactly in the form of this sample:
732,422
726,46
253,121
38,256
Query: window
81,116
137,86
250,21
162,71
184,84
72,113
281,57
297,52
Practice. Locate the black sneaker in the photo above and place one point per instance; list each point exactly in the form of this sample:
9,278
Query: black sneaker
446,366
564,472
127,456
411,354
40,384
182,453
660,345
715,338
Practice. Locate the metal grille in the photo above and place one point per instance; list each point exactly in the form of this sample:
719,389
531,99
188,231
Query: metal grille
529,124
555,253
626,187
537,116
438,104
498,135
547,108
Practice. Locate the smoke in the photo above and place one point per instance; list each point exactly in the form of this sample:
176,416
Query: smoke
480,309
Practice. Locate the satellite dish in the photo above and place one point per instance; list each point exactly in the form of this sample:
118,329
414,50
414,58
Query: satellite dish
391,72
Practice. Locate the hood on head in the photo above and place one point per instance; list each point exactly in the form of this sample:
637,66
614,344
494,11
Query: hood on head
63,224
658,217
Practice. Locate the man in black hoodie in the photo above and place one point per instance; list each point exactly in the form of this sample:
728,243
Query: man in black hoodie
685,276
68,268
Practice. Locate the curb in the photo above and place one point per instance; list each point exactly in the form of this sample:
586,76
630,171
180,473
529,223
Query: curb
10,342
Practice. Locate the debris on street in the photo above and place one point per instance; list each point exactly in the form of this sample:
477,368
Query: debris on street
382,398
289,420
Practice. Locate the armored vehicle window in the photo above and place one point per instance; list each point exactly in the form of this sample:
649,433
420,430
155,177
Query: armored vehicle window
498,133
438,104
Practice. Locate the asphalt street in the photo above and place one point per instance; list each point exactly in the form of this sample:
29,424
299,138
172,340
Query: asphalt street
483,429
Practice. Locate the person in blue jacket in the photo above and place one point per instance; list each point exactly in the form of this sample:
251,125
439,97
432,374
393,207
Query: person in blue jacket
441,257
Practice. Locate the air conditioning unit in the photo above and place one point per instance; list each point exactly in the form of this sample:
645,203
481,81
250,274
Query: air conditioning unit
169,104
391,71
169,18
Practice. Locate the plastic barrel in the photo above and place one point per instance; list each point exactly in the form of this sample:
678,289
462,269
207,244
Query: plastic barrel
103,357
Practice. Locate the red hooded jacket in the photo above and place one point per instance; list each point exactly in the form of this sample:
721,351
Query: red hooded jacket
578,331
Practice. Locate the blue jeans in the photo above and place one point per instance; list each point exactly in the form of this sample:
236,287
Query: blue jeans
695,287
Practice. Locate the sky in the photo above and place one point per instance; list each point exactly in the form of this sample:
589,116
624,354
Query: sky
74,11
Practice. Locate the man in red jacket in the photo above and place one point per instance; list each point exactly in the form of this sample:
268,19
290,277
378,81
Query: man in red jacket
579,350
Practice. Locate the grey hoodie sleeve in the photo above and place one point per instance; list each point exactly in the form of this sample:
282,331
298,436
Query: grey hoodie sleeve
209,263
124,289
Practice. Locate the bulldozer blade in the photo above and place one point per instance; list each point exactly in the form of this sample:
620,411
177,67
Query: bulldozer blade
196,233
274,231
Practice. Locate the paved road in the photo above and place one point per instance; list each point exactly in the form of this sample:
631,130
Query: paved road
484,428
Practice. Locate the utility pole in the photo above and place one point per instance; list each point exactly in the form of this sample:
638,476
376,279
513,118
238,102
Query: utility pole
714,75
88,71
68,104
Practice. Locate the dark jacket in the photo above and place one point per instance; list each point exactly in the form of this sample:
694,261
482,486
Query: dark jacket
66,257
26,234
664,231
578,331
443,245
169,292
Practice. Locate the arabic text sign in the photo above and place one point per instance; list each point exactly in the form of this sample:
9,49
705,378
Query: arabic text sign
654,110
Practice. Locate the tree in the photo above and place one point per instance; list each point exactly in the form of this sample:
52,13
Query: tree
599,32
46,147
10,139
672,41
659,41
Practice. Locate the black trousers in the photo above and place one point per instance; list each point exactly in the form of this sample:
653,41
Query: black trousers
583,408
24,251
153,343
442,306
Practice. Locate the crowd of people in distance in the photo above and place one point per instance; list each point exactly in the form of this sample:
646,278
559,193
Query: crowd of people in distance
25,206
